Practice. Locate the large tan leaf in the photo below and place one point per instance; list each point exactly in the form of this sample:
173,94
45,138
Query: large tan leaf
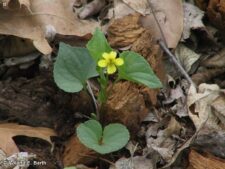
44,16
169,13
9,130
140,6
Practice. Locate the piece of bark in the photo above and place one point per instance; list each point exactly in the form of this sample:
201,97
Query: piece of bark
125,105
124,31
199,161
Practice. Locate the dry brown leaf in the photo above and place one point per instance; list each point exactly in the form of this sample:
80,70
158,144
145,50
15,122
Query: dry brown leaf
186,56
207,75
216,61
202,4
199,105
211,141
162,142
170,16
54,16
216,13
199,161
9,130
76,153
192,19
218,107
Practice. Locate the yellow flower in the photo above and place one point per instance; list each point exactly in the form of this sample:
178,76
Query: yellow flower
110,61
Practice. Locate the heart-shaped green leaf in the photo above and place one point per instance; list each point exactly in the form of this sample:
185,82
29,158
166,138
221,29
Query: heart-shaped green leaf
137,69
98,45
112,138
73,67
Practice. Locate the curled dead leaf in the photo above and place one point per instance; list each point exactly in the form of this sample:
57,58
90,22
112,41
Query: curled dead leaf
9,130
33,25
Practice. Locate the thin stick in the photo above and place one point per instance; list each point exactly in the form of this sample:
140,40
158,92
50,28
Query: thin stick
157,22
93,98
162,43
176,63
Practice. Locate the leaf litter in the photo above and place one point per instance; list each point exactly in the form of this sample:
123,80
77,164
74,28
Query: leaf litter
183,122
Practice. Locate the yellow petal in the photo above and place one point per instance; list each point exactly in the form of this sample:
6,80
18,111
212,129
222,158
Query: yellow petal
112,55
118,62
111,69
105,55
102,63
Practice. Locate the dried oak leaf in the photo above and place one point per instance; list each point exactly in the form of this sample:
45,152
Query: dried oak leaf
44,17
124,31
9,130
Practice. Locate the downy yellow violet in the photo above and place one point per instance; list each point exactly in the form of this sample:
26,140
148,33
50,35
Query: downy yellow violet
110,62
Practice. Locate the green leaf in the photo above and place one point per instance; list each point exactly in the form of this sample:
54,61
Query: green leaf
137,69
73,67
114,137
98,45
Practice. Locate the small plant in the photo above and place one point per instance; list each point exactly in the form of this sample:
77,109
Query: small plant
75,65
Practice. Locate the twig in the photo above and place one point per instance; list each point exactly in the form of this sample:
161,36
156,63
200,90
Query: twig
176,63
93,98
162,43
157,22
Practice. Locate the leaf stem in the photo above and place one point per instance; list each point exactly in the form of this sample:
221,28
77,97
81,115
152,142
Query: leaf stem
93,98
